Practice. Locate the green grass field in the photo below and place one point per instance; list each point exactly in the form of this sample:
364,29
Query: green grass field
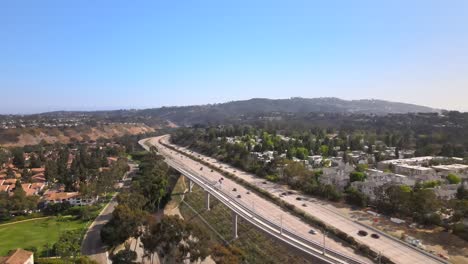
35,233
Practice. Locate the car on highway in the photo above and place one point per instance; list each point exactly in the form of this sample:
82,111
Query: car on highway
239,196
313,232
375,236
362,233
234,189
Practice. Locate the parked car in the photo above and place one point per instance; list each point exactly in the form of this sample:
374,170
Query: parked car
375,236
313,232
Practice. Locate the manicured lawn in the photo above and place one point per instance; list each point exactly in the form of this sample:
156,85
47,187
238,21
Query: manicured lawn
35,233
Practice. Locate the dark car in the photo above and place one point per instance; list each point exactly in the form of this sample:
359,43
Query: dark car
362,233
375,236
248,192
239,196
298,198
201,168
304,205
234,189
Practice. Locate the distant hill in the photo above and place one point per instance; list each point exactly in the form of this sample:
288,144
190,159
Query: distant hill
215,113
223,111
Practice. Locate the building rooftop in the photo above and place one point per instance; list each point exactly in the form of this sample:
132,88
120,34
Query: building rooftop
18,256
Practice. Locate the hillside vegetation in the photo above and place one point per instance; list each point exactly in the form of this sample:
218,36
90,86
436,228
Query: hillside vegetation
18,137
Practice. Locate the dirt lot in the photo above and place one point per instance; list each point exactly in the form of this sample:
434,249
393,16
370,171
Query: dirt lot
433,239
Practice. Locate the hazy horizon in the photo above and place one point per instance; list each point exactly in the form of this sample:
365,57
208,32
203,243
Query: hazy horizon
148,107
107,55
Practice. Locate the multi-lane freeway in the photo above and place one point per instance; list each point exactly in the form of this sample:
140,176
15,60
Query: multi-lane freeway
281,224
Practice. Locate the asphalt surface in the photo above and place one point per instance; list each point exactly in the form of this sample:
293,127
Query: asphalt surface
92,245
396,251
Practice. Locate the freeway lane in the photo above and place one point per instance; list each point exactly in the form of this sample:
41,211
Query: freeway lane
398,252
263,209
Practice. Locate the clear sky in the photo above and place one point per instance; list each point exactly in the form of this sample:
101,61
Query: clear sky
70,55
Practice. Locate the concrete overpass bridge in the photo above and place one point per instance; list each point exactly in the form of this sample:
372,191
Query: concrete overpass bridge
317,252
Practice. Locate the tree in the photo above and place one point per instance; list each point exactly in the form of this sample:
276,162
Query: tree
35,162
227,255
424,206
462,193
172,238
18,158
357,176
68,246
51,171
125,256
125,223
356,197
453,179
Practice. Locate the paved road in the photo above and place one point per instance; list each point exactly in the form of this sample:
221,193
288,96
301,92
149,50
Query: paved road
92,245
398,252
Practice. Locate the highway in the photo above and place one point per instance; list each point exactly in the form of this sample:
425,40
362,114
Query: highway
273,218
262,213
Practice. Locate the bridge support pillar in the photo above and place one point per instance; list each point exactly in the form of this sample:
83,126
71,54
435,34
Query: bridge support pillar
207,200
190,184
234,225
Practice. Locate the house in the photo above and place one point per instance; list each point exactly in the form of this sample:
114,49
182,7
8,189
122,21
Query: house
458,169
413,170
74,198
32,188
18,256
377,178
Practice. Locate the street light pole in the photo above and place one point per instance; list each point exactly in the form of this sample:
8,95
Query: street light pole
324,235
281,226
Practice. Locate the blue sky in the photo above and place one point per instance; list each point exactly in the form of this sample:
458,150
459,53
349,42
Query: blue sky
135,54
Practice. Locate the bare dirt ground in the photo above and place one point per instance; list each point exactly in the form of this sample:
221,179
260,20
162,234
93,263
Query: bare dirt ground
32,136
436,240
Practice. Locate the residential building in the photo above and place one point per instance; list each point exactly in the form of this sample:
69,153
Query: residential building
74,198
18,256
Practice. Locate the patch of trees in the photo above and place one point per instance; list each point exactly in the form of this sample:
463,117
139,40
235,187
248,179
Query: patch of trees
145,195
175,241
17,204
419,203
